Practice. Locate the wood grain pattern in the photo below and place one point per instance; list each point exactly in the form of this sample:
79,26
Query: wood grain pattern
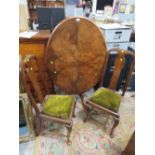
35,45
36,49
36,81
75,55
118,66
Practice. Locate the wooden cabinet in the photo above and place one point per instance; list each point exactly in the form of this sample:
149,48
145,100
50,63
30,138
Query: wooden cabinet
35,45
33,4
34,48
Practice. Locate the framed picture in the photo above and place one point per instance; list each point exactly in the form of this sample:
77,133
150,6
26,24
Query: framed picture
26,119
122,8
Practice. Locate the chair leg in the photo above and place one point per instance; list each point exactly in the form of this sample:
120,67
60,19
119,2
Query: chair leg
87,115
82,101
116,121
38,125
69,128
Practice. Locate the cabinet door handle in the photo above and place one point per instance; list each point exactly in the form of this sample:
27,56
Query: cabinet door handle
118,35
118,32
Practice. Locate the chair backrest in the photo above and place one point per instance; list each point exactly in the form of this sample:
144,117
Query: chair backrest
36,82
120,69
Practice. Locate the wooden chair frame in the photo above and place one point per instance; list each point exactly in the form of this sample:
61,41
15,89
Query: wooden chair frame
32,83
113,84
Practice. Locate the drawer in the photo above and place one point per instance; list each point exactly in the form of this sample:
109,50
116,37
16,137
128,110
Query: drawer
118,45
37,49
119,35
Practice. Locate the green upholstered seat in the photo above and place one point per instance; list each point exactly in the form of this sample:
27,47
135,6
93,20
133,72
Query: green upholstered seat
58,105
107,99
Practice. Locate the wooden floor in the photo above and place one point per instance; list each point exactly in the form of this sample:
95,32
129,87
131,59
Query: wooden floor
130,149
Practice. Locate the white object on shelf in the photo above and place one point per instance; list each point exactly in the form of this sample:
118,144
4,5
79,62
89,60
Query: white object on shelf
27,34
35,26
107,12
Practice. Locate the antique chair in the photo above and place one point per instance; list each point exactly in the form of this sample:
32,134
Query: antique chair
37,83
106,99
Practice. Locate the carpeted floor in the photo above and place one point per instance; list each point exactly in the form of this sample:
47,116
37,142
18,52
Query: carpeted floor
91,138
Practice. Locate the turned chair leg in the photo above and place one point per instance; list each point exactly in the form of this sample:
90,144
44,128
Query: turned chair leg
116,121
69,128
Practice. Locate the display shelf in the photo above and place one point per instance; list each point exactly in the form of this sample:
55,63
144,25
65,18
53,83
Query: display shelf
33,4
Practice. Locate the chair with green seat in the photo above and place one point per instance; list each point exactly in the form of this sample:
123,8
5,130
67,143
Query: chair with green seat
107,100
47,106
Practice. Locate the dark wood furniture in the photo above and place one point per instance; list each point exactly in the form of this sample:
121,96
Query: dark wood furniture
117,69
124,76
40,77
35,45
75,55
33,4
121,84
130,148
37,84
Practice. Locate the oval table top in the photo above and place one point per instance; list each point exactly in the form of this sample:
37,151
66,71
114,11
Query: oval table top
75,55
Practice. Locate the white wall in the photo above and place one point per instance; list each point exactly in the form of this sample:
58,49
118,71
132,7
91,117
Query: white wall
24,2
23,15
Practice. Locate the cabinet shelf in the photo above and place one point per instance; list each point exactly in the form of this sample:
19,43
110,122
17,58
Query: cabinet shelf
33,4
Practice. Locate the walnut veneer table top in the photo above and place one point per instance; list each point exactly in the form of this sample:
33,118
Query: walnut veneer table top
75,55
